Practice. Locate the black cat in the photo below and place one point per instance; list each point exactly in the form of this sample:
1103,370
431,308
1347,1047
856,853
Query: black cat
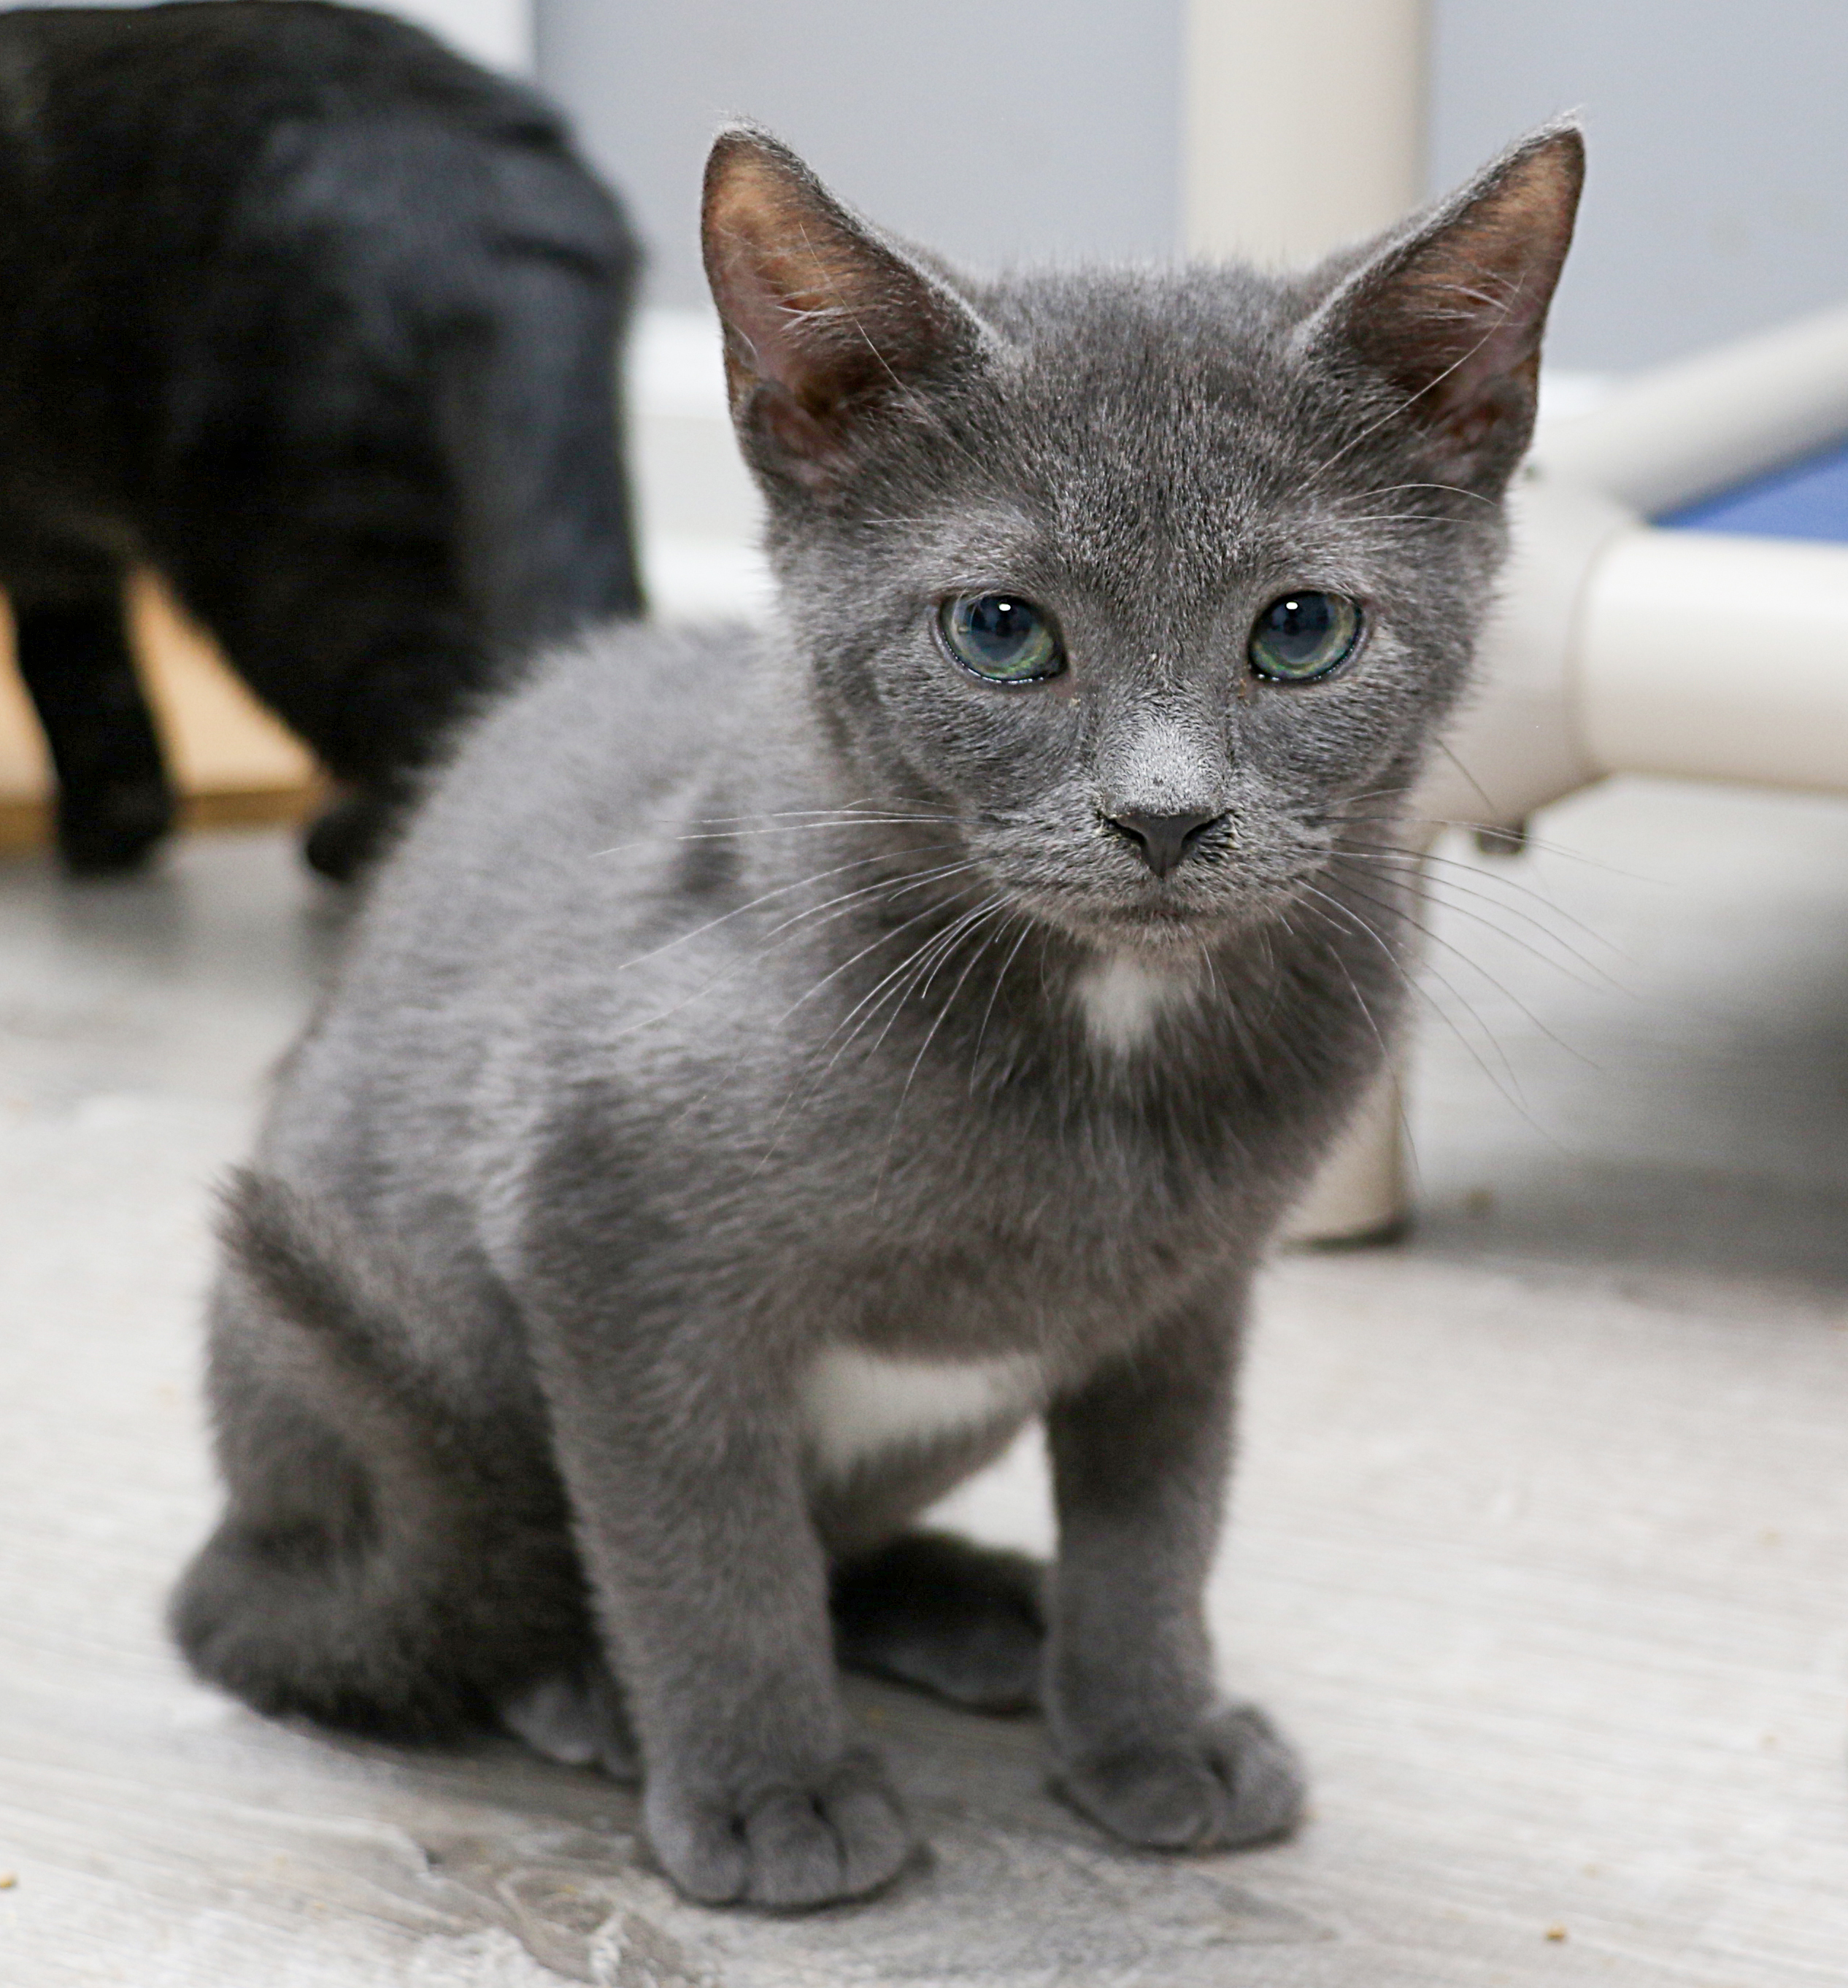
321,321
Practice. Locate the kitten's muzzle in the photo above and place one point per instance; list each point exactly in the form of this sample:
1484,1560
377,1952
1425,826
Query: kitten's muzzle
1163,841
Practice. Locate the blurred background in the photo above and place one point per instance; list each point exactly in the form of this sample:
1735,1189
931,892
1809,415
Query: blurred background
998,129
1001,128
1004,130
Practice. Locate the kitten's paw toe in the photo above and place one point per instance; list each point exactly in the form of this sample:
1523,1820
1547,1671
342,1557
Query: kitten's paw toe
837,1834
1235,1781
846,1837
701,1846
577,1717
1262,1774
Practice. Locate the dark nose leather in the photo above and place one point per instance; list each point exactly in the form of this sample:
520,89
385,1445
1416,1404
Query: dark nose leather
1163,839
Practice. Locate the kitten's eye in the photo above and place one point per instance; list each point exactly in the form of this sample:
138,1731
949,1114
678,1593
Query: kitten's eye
1303,636
1001,637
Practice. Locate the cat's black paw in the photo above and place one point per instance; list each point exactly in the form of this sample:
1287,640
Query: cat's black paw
1235,1781
837,1834
965,1622
347,834
110,830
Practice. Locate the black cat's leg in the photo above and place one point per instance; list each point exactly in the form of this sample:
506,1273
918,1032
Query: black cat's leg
1145,1747
363,649
376,698
965,1622
113,801
353,830
331,586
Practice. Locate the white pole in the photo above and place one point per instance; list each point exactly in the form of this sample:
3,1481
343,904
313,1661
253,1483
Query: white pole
1305,127
1519,741
1712,422
1360,1195
1707,657
1305,123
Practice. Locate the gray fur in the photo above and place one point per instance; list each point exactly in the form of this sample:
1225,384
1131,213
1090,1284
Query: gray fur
727,1004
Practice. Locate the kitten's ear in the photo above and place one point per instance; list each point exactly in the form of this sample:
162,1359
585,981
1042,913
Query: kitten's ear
1451,308
823,320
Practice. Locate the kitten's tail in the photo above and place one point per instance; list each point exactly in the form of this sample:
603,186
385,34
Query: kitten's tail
387,1560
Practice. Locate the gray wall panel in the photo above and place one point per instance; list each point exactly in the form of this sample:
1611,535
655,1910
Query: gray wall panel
1718,199
990,129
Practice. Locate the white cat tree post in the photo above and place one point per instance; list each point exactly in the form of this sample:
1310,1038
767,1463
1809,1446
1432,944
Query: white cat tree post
1251,186
1618,648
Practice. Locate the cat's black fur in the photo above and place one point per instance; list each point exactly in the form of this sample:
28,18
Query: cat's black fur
769,1072
322,321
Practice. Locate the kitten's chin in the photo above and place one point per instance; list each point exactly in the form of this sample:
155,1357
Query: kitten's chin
1156,932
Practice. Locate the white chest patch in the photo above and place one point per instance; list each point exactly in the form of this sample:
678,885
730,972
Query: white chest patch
855,1405
1122,998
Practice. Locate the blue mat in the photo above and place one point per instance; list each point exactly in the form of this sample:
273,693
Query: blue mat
1808,500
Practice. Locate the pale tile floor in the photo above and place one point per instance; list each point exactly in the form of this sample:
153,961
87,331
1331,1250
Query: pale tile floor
1541,1541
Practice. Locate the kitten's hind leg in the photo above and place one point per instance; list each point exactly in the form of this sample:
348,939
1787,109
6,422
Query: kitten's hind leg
338,1585
113,800
965,1622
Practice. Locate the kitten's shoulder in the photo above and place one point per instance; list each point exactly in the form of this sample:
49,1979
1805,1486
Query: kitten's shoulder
597,727
527,858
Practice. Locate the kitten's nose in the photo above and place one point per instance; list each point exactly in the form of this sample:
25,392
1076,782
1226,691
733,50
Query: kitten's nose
1163,840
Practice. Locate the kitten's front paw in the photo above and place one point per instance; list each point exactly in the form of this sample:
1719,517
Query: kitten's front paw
835,1834
1235,1781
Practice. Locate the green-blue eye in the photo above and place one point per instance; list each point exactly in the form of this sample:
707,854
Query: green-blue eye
1002,638
1303,636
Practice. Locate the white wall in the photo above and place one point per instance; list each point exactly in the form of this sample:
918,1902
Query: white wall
991,129
498,33
1002,128
1716,199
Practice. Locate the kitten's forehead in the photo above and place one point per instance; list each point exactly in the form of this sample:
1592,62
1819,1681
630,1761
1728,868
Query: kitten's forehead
1159,421
1211,330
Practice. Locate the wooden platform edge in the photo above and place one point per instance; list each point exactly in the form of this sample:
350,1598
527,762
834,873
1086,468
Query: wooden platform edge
27,825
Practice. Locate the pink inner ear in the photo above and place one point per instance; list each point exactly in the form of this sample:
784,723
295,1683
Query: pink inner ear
1472,318
792,286
811,446
782,299
1456,318
821,317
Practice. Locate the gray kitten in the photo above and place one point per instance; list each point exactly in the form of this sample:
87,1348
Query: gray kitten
775,1066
